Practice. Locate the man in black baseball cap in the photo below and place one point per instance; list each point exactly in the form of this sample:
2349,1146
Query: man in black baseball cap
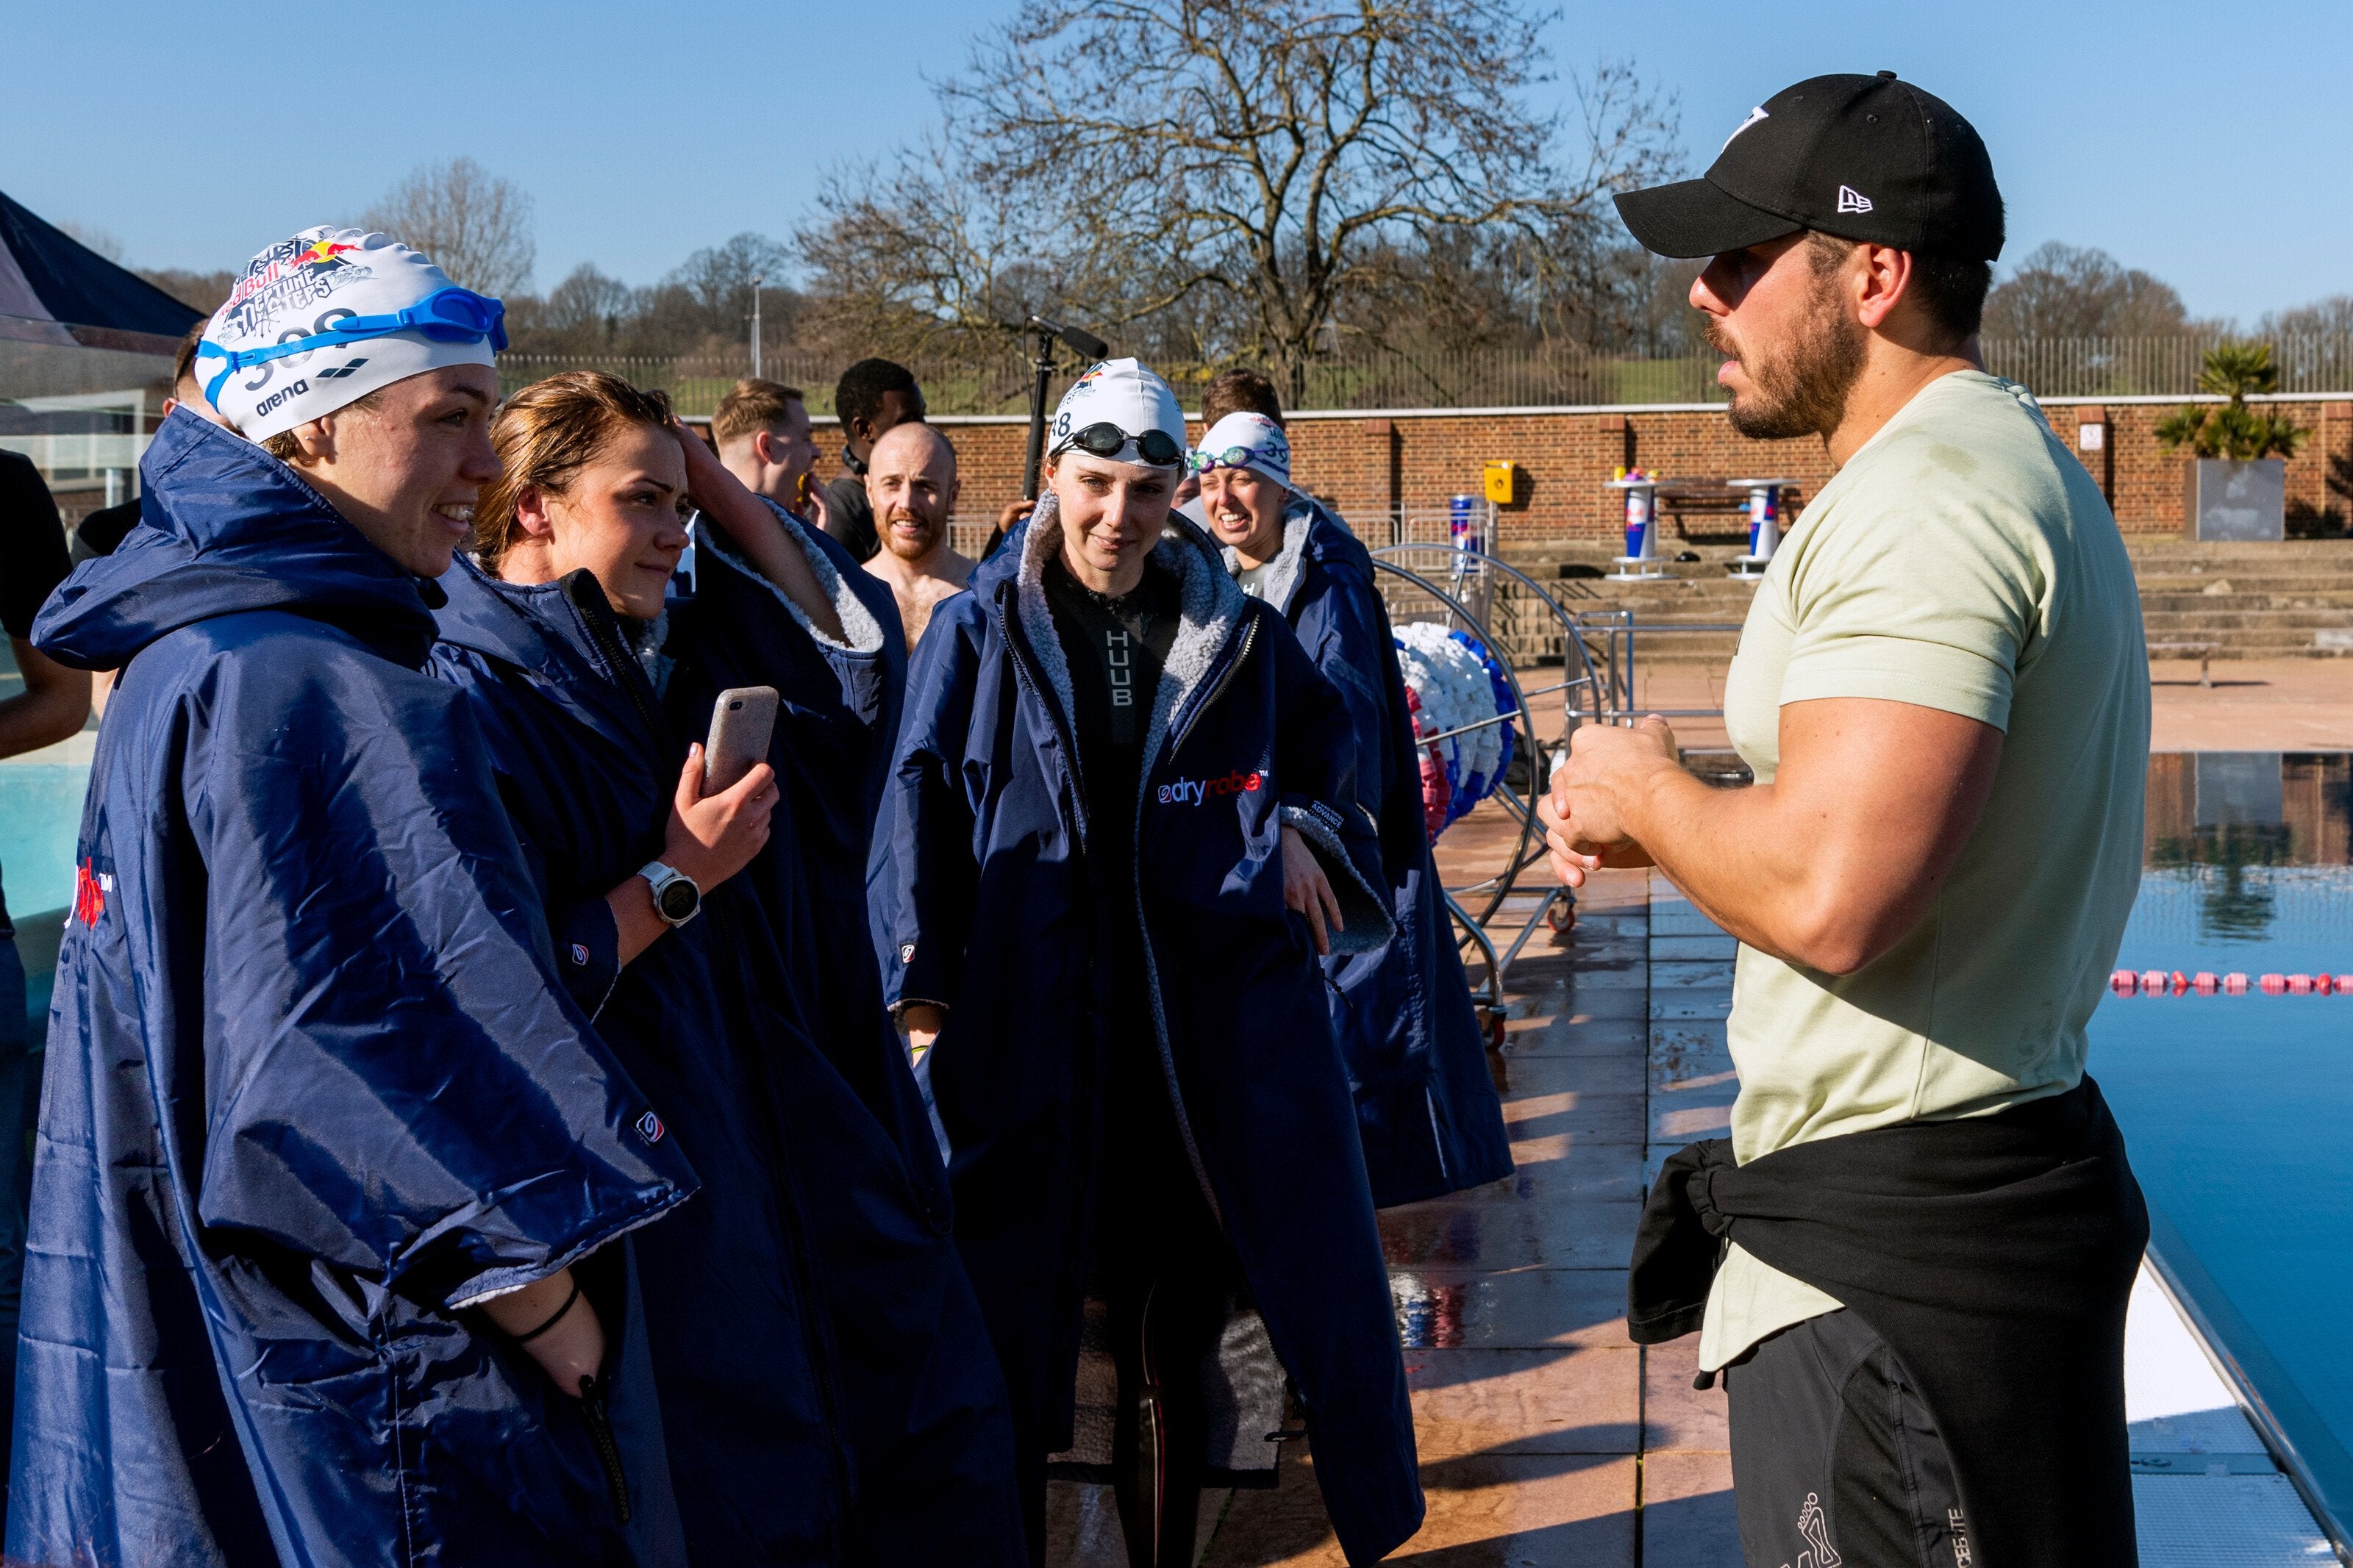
1909,1262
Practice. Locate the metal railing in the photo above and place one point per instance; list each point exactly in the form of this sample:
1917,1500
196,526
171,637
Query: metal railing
988,381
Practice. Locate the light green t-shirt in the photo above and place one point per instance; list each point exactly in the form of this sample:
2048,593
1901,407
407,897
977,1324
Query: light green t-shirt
1961,560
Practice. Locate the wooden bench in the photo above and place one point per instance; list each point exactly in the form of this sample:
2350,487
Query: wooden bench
2204,652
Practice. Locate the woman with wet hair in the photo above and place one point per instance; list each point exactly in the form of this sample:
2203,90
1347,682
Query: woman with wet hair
804,1314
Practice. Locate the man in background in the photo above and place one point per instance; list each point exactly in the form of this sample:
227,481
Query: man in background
1238,392
872,396
910,483
52,705
764,438
102,530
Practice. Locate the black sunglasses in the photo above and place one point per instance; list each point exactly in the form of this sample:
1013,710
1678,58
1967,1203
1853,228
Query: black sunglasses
1105,439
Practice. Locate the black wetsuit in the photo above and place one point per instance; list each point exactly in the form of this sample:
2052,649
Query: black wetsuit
1163,1268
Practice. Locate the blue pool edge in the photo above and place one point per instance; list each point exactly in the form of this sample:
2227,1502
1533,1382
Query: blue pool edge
2318,1465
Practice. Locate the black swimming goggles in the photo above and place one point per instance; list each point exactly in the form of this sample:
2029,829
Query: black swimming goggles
1105,439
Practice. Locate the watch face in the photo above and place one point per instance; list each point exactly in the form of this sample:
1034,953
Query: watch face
678,899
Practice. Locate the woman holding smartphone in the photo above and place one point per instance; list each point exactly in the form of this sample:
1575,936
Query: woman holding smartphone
591,679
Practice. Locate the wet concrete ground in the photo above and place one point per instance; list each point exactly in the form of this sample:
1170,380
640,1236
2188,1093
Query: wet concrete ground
1545,1438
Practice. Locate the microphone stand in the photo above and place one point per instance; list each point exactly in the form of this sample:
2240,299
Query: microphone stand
1087,344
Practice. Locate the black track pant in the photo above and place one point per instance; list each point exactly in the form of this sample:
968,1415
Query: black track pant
1835,1463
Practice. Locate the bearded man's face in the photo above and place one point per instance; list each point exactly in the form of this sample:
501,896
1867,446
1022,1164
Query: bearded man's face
1793,349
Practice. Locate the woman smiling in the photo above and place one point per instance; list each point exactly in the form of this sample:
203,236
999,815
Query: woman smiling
584,670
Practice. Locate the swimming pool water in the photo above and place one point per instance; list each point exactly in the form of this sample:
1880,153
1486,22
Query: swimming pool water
2239,1109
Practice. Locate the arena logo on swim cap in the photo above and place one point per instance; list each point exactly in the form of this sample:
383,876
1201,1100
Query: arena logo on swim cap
1195,791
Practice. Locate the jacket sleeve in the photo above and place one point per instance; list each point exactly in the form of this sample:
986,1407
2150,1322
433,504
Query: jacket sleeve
1314,765
923,878
1346,633
396,1085
587,951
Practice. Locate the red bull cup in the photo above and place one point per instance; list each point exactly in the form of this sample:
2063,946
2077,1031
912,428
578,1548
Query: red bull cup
1463,523
1642,508
1764,518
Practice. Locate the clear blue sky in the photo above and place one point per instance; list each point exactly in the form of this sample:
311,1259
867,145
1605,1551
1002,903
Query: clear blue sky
2208,146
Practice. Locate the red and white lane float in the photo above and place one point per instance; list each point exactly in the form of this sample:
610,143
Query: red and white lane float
2205,983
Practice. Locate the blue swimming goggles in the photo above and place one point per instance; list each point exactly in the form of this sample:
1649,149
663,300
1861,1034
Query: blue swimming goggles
450,315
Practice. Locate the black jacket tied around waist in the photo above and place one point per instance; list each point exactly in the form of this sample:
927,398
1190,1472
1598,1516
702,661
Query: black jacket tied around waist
1995,1256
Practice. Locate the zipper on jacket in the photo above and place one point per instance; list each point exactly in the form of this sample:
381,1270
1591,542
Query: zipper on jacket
588,599
1225,678
1054,715
1144,927
609,1451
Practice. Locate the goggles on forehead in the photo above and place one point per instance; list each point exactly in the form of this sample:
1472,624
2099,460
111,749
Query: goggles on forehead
1105,439
450,315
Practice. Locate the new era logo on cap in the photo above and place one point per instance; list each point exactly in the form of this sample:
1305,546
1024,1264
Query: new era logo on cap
1865,158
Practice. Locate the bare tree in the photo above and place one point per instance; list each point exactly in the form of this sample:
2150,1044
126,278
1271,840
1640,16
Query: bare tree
2331,317
476,225
920,256
1260,164
198,290
2068,291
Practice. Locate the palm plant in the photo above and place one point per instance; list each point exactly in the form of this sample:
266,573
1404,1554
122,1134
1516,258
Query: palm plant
2232,431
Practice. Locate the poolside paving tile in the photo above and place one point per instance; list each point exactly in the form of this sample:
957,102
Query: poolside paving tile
1686,974
1525,1401
1589,1233
1718,948
1582,1032
1677,1417
1439,1309
1494,1511
1590,1118
1561,1167
1688,1519
1712,1003
1621,1071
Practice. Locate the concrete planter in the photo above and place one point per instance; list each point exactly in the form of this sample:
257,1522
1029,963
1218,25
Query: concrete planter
2227,501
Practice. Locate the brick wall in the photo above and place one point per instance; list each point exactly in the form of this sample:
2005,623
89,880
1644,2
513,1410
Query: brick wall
1372,466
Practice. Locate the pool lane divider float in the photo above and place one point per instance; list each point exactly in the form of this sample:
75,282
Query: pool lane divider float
2205,983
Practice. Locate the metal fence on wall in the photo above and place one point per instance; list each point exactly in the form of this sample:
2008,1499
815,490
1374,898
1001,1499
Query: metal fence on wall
999,383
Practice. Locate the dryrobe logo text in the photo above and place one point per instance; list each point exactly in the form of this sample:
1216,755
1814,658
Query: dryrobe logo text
1192,792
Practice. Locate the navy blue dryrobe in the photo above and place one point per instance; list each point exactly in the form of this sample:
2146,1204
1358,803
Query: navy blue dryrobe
314,1085
982,899
1426,1101
812,1236
923,1392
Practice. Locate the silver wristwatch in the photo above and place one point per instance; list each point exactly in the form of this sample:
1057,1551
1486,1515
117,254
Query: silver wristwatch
676,898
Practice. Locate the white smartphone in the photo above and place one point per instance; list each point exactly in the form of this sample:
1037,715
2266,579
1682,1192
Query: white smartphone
740,722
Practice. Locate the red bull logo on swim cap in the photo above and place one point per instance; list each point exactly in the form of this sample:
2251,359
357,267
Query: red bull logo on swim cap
323,254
